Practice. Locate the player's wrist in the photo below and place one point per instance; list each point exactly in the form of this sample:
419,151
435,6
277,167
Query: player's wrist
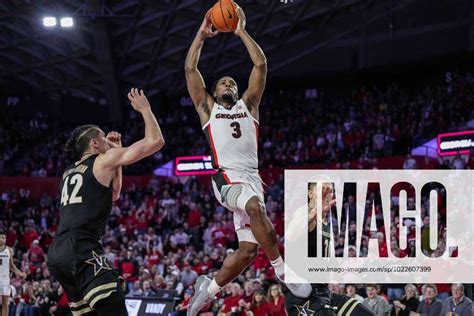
145,110
241,32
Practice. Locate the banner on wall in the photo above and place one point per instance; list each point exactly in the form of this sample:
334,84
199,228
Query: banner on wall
149,306
454,143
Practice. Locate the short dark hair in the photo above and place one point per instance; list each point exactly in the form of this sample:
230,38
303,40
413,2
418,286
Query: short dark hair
214,84
80,137
2,231
350,284
431,286
373,285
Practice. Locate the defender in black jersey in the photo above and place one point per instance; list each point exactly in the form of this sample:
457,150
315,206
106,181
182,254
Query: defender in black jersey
88,187
321,301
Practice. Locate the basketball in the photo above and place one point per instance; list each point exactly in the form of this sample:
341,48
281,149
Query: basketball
224,16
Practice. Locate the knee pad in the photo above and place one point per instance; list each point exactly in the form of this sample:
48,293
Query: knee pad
236,196
230,195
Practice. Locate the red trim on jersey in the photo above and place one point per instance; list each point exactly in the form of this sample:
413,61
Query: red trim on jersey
257,133
213,148
227,178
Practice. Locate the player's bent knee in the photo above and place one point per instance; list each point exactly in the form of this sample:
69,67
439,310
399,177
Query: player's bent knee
255,209
248,253
247,257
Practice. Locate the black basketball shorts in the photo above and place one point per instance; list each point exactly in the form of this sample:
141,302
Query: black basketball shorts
76,259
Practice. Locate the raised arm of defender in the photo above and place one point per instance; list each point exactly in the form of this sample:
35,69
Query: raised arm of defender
115,141
196,87
148,145
258,76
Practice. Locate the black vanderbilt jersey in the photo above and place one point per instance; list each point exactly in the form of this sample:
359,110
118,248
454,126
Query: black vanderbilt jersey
312,244
85,203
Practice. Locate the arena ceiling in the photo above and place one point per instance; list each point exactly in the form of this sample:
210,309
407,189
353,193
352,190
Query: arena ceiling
117,44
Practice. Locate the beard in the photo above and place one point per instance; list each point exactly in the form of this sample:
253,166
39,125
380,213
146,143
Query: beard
229,97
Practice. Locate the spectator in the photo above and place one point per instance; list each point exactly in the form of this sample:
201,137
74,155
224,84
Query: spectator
219,235
259,305
128,268
351,291
458,162
12,237
430,305
232,303
276,300
457,303
194,216
378,141
183,306
408,303
159,282
410,163
62,307
47,298
375,302
188,276
154,257
180,237
147,290
109,254
136,291
248,291
29,236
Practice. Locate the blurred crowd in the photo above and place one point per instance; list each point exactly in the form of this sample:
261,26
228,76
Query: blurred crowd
161,238
367,124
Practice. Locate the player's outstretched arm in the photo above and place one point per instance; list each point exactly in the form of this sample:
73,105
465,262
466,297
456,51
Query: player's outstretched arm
258,76
115,141
194,81
148,145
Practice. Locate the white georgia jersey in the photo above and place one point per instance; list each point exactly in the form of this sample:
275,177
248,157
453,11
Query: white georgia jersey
233,137
5,264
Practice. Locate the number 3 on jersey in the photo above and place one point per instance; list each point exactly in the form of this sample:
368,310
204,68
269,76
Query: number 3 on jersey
66,199
237,131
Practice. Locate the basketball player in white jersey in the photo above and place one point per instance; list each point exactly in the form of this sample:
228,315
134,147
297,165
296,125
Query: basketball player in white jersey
231,126
6,264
